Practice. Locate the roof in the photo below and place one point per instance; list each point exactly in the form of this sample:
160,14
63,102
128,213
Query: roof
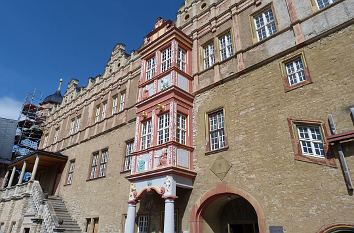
55,98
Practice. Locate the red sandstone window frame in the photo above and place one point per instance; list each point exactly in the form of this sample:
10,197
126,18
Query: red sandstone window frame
308,80
328,159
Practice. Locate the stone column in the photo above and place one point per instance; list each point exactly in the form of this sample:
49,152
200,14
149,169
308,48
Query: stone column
169,223
130,221
22,173
35,167
5,179
11,177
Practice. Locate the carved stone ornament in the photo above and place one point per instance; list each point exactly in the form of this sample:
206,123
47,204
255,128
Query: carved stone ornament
132,192
168,184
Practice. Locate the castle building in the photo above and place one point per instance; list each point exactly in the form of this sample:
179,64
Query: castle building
236,118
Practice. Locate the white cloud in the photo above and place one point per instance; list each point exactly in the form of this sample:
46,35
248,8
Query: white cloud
10,108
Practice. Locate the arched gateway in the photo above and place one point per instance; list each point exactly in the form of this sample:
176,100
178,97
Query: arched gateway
224,209
338,228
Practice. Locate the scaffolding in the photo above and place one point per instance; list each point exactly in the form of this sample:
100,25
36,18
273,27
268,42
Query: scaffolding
29,132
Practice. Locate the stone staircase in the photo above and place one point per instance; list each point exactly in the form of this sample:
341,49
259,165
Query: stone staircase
66,223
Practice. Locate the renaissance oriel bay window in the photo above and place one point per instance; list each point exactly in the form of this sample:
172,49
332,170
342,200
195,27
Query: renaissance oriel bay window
163,128
264,23
209,55
166,59
225,43
216,130
150,68
146,135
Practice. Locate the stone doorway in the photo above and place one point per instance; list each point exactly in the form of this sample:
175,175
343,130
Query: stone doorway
230,213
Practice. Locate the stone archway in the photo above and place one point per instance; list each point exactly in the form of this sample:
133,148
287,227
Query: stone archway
217,199
338,228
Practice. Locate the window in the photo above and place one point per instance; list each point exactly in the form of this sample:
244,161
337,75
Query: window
56,135
114,104
143,224
265,24
163,131
209,56
45,143
225,42
324,3
310,138
94,162
128,156
12,227
216,130
77,124
103,163
181,128
150,68
99,164
181,59
122,101
309,142
146,135
296,73
72,125
88,223
69,179
98,110
166,59
104,108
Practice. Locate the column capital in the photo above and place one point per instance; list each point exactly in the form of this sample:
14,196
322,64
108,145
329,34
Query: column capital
169,198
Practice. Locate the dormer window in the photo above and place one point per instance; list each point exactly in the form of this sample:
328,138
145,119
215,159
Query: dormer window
181,59
166,59
150,68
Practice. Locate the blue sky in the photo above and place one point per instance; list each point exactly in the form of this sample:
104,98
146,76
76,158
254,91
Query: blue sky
44,40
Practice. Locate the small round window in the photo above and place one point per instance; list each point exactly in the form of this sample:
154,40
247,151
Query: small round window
203,6
186,17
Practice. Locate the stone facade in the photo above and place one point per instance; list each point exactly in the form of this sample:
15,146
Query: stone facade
259,162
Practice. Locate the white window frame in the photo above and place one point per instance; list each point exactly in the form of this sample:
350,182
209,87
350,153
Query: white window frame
181,130
143,223
166,59
146,133
263,24
114,104
181,59
324,3
122,101
208,55
56,135
103,163
150,68
311,138
226,49
163,129
45,142
217,138
104,109
72,126
69,179
77,124
128,156
95,159
98,110
295,71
